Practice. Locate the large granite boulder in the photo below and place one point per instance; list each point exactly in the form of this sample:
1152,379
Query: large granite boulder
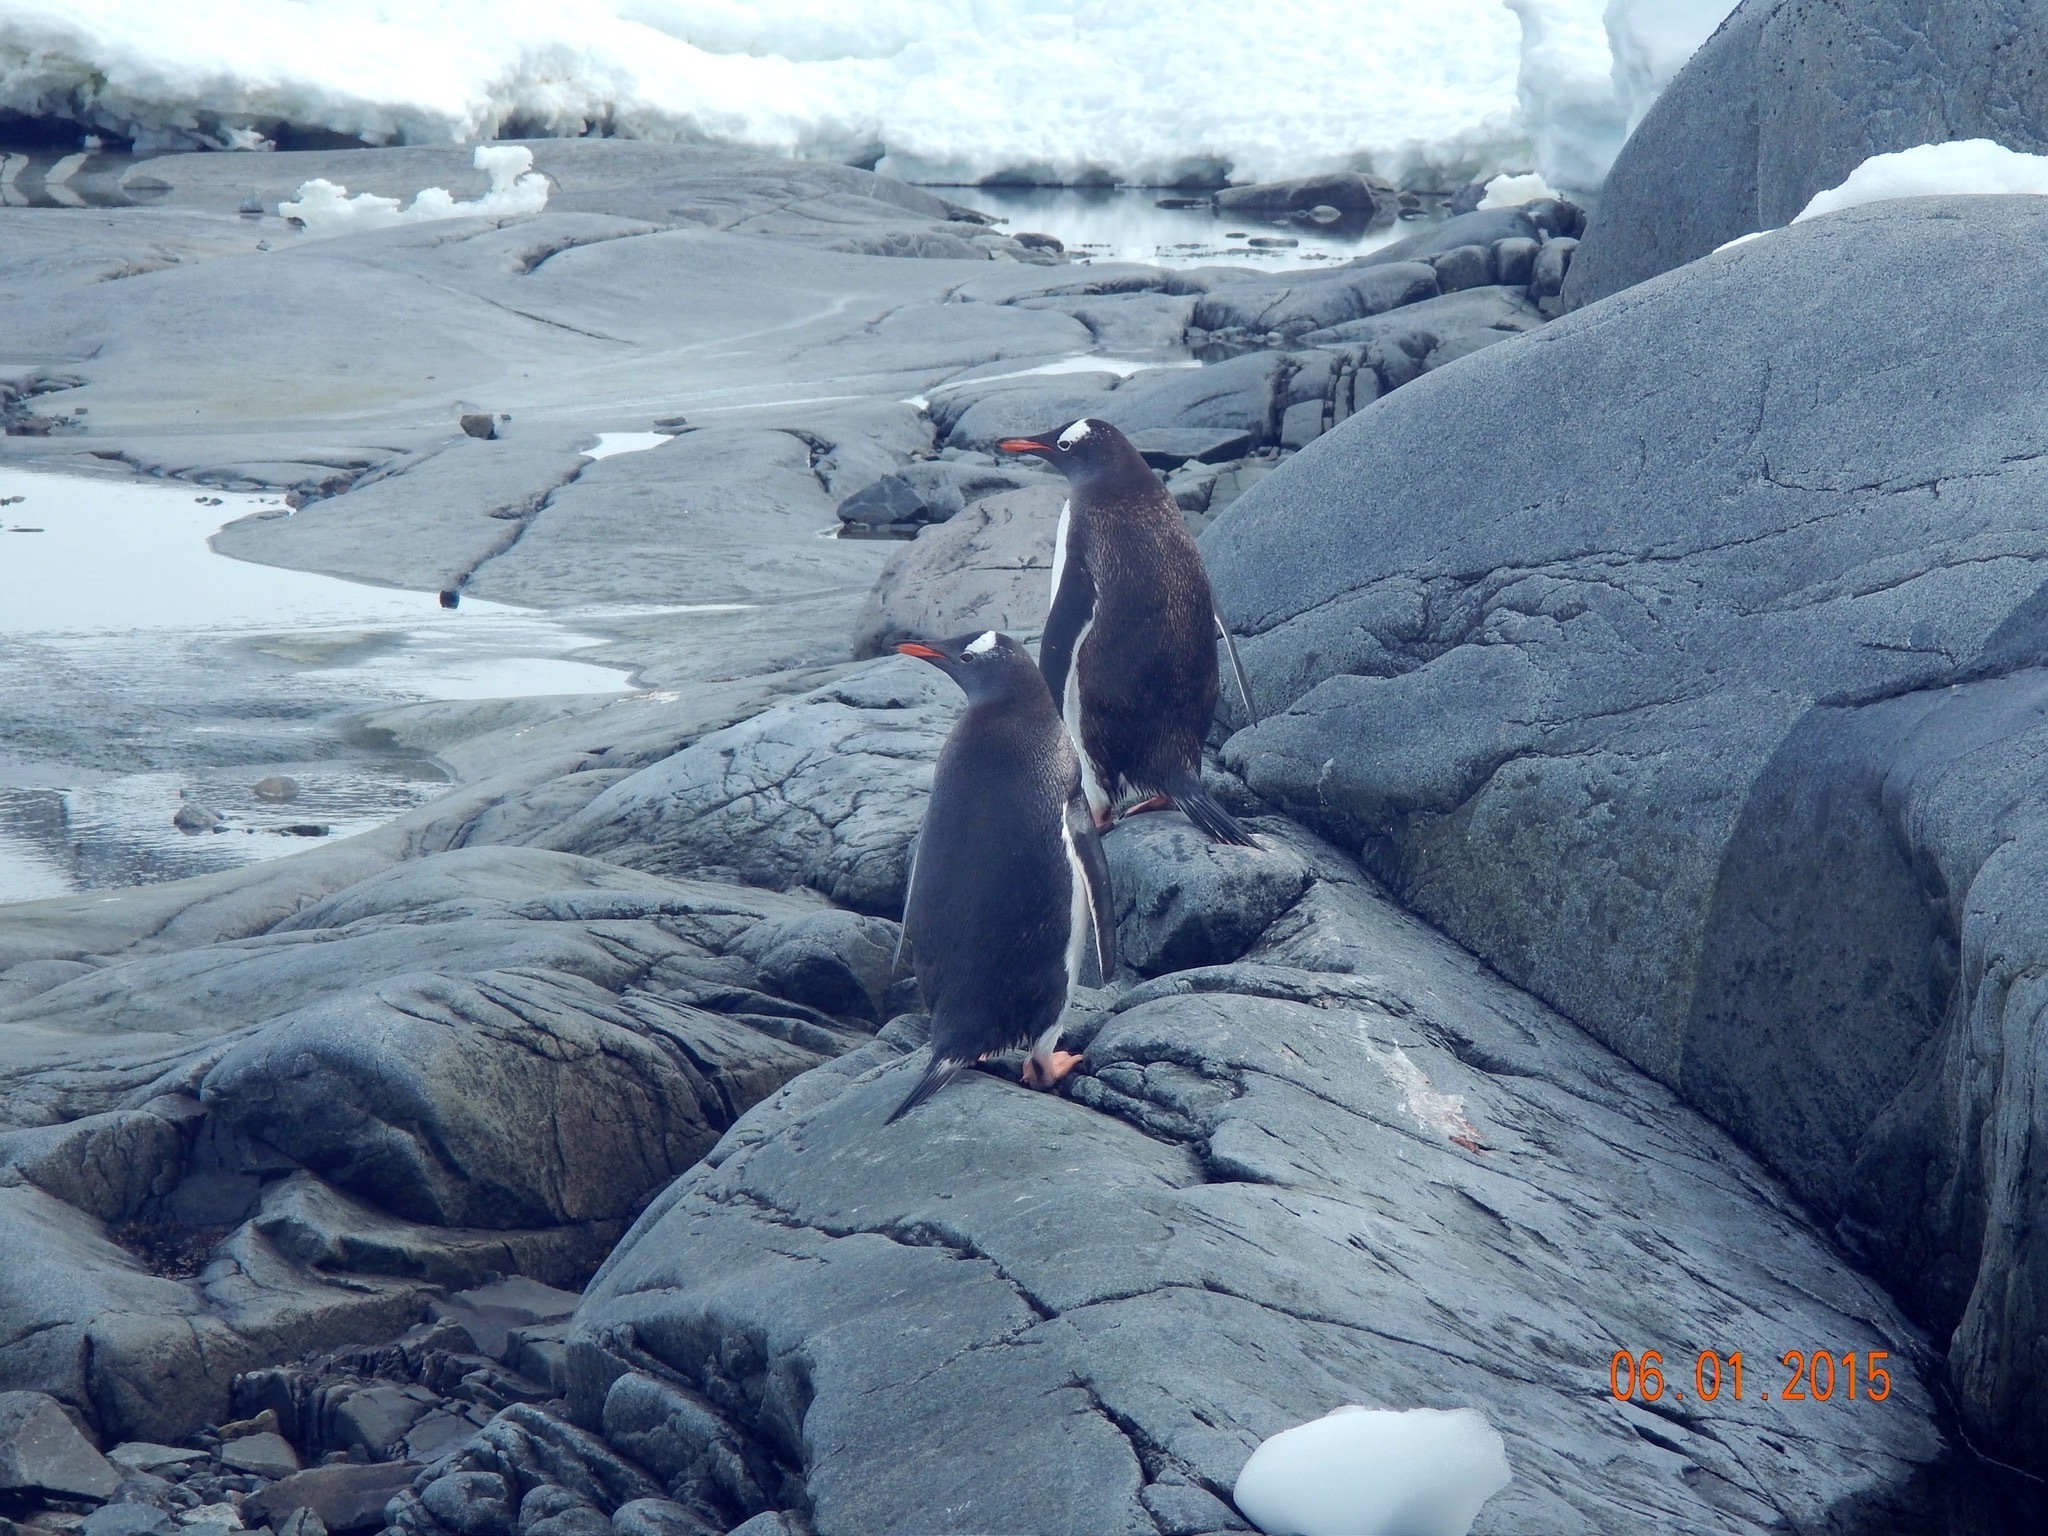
1788,98
1356,1167
1682,659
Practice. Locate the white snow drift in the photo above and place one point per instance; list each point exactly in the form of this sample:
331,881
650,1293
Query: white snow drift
1370,1472
1963,167
325,208
1959,168
939,90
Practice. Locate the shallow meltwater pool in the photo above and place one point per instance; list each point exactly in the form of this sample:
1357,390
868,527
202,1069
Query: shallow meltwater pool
142,674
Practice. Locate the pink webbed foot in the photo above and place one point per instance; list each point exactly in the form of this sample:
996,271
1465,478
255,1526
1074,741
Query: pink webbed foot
1154,803
1047,1072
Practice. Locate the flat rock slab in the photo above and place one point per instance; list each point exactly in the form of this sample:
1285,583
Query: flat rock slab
1684,660
1389,1179
346,1498
41,1451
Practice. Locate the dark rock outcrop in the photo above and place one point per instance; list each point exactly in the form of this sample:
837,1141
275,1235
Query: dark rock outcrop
1684,661
1788,98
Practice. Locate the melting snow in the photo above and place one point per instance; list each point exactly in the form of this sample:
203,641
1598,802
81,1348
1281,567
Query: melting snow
516,188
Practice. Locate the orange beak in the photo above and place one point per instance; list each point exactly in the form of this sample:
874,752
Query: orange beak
1023,445
921,652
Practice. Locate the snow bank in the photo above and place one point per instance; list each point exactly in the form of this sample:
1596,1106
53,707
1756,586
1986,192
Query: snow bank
1370,1472
1650,40
327,209
1513,191
937,90
1962,167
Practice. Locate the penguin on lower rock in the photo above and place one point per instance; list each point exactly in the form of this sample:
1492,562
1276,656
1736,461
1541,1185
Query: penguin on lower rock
1130,641
1009,899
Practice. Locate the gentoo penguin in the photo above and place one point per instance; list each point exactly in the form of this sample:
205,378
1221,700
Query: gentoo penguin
1009,891
1130,641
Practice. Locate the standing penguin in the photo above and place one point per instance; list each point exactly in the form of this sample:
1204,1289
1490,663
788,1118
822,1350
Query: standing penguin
1009,892
1129,649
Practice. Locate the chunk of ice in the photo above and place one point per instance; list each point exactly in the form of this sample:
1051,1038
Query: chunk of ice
516,188
1373,1472
1966,167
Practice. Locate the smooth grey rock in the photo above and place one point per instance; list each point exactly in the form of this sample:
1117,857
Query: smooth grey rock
706,1461
345,1497
1543,219
890,502
265,1455
825,791
1183,901
108,1164
41,1450
550,1511
1301,424
1354,1168
932,493
1464,266
990,567
478,424
520,1299
530,1451
375,1417
657,1517
471,1503
302,1522
195,818
1552,266
767,1523
1716,775
1513,260
1788,98
840,963
1345,191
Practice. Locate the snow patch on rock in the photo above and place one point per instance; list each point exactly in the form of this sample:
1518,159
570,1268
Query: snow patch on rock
325,208
1373,1472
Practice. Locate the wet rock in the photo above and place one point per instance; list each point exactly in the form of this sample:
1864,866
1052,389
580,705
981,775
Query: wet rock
825,792
42,1451
264,1455
1183,901
1785,710
192,817
991,568
277,789
1344,191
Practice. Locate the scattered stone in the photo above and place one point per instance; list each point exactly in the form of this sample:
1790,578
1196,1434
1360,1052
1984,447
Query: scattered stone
551,1511
144,1456
1553,264
264,1423
302,829
1272,242
470,1503
479,424
1180,202
1348,192
376,1417
194,817
264,1455
1514,259
42,1450
1463,266
277,789
301,1522
218,1517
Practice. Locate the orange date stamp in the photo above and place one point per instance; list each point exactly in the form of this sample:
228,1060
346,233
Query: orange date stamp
1816,1377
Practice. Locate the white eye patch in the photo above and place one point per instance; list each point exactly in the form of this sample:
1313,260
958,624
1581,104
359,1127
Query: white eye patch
1073,434
981,645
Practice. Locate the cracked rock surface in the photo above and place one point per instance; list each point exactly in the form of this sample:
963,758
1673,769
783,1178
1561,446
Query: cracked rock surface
1355,1167
1705,706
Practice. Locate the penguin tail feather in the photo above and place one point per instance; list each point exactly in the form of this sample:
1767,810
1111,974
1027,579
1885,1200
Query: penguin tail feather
938,1072
1201,807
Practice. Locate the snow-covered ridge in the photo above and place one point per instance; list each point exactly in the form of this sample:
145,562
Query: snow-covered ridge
936,90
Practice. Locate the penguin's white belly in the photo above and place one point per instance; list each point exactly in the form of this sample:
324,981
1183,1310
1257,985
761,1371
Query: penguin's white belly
1070,701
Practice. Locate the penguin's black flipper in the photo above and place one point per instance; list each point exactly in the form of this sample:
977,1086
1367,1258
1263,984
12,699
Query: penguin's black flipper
1201,807
1101,902
1073,605
1244,688
938,1072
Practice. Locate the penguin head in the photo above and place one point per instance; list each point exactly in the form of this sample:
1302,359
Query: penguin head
1081,450
985,664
